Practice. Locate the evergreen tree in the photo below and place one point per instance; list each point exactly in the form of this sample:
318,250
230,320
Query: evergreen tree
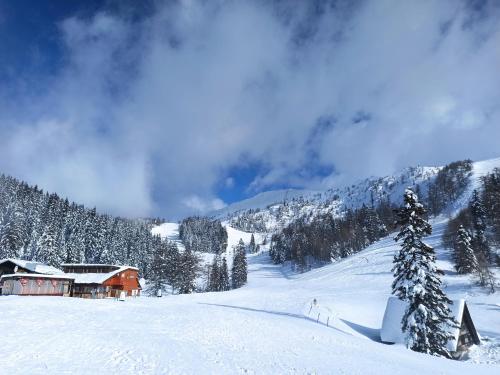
158,278
47,248
10,231
465,260
251,245
417,282
480,243
214,276
189,269
239,269
224,276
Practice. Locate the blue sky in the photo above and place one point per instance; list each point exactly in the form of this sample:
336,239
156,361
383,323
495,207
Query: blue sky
171,108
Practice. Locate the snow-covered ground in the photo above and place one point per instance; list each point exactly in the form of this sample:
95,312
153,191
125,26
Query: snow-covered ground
266,327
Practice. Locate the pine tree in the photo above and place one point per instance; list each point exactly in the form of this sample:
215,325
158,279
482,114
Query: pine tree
239,269
214,276
47,248
224,276
188,271
10,232
465,260
480,243
251,246
158,278
417,282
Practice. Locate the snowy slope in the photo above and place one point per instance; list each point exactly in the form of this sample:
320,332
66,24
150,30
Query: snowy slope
266,327
170,231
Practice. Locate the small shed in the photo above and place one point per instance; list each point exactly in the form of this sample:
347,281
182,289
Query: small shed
30,284
464,336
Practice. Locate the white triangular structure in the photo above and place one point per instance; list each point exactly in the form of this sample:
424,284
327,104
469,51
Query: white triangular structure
464,336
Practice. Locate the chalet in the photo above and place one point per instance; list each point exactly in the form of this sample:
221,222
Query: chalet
464,336
32,284
103,280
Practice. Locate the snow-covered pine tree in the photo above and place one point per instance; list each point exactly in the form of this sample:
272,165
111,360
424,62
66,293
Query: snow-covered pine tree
239,269
417,282
465,260
224,276
251,245
47,248
188,271
173,264
10,232
158,278
214,276
480,242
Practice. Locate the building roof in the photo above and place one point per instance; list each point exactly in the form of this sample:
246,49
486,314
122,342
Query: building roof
33,266
96,265
97,278
391,326
36,276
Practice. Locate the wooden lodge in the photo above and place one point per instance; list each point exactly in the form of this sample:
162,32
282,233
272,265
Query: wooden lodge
464,336
103,280
21,277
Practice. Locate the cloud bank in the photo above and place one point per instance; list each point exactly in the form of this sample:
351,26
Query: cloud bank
148,115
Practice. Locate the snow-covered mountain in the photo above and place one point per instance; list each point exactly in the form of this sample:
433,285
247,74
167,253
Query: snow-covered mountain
271,211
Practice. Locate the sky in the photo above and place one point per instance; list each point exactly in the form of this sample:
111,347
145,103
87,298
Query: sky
173,108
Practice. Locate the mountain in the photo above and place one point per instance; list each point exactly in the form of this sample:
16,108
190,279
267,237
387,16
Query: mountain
262,200
274,210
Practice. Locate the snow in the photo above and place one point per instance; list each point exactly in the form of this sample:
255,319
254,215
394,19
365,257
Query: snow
96,278
391,325
269,326
37,276
33,266
168,231
95,265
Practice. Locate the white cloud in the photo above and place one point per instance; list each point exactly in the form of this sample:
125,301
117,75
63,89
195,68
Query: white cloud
201,206
147,116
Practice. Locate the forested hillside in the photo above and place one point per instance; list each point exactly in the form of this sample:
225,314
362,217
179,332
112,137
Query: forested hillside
437,186
36,225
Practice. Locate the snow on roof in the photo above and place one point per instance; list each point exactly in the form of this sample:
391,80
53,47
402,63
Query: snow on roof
36,276
97,278
33,266
391,325
95,265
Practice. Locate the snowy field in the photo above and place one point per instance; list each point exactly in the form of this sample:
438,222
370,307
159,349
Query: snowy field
266,327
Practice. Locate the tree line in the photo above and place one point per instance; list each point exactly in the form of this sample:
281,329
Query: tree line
203,234
219,278
35,225
326,238
475,232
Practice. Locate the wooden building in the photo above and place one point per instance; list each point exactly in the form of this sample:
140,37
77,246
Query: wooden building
464,336
13,267
31,284
103,280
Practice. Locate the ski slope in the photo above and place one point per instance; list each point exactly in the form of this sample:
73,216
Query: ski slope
266,327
